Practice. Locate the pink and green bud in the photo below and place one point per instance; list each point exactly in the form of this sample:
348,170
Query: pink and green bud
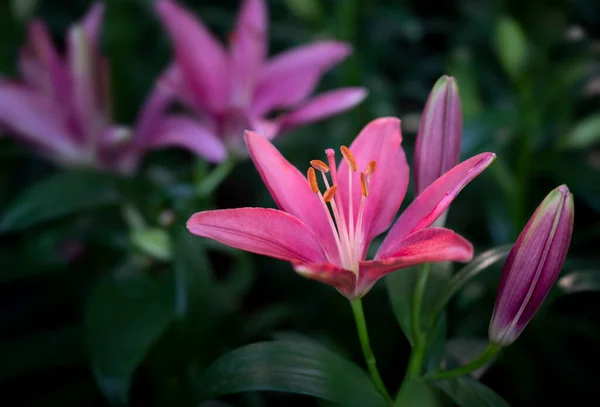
532,266
440,134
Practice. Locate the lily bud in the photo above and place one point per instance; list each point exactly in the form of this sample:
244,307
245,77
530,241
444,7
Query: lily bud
532,266
440,134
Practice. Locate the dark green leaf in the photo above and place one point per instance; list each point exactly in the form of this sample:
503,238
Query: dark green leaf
293,367
579,281
468,392
417,392
59,195
584,134
124,316
511,46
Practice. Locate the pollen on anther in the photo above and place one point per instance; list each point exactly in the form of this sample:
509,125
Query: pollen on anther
312,180
330,193
364,185
349,157
371,168
320,165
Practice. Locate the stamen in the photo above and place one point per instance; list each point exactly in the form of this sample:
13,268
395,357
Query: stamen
371,168
312,180
320,166
330,193
364,184
349,157
330,152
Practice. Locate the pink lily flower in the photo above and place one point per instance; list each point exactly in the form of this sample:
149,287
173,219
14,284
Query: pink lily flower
230,91
325,235
62,105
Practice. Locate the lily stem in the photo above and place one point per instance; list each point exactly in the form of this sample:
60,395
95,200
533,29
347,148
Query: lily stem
417,354
363,336
488,354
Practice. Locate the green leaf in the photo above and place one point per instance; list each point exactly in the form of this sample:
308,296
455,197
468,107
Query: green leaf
60,195
291,366
584,134
124,316
416,392
468,272
468,392
401,286
462,67
511,46
461,351
309,10
152,241
580,281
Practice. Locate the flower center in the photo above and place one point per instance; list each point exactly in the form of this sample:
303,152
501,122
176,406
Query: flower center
347,234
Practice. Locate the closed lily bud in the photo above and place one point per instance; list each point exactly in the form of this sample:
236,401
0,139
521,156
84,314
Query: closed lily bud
440,134
532,266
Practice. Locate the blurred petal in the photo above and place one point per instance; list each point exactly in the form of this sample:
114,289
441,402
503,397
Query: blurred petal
380,140
182,131
291,77
429,205
199,55
343,280
290,190
171,82
264,231
437,149
248,50
323,105
424,246
532,266
92,21
35,119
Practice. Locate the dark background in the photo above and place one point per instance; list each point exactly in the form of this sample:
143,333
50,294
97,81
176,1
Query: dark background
61,282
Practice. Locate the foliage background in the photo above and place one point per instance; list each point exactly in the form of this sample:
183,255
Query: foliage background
80,287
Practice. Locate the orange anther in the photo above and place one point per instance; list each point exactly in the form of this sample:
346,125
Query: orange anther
364,185
319,165
312,180
330,193
371,168
349,157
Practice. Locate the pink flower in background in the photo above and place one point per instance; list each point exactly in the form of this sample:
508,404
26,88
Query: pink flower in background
363,194
532,266
237,89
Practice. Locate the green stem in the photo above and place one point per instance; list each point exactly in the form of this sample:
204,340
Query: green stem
420,288
363,336
488,354
209,182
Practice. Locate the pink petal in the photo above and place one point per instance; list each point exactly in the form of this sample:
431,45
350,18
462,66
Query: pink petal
424,246
290,190
171,82
41,66
92,21
35,119
260,230
343,280
324,105
430,204
182,131
248,50
381,141
291,77
199,55
155,106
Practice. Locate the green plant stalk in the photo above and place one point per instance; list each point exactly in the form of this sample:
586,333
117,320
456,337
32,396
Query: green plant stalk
363,336
488,354
417,354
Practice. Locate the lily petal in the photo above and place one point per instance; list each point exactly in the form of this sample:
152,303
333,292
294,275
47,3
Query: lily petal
341,279
248,50
424,246
323,105
183,131
91,22
269,232
290,190
35,119
381,141
430,204
199,55
291,76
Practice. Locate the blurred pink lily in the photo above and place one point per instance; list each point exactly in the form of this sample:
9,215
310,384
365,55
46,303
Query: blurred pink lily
326,235
62,105
234,90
